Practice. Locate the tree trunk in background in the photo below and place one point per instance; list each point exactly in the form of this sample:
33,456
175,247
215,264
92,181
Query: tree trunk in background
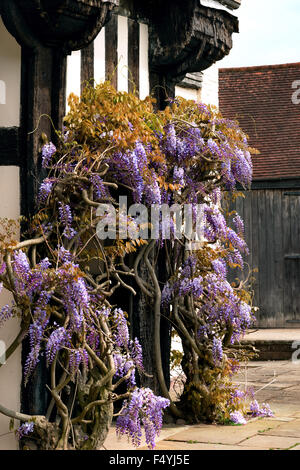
142,327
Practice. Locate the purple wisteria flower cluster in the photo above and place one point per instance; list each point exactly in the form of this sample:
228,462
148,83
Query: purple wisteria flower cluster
240,398
45,191
66,220
261,411
128,357
143,409
217,303
217,350
48,151
24,429
237,417
130,167
6,312
66,283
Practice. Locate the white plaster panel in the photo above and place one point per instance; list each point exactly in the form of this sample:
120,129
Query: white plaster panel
122,53
10,373
187,93
144,61
99,57
210,86
73,74
10,79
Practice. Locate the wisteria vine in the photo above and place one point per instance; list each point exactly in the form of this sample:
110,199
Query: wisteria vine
64,279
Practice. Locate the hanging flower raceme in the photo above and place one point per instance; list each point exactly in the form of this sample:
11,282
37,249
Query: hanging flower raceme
144,408
66,220
45,191
100,190
57,340
66,281
6,312
48,151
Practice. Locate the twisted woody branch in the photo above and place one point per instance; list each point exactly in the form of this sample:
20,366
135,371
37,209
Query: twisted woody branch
66,281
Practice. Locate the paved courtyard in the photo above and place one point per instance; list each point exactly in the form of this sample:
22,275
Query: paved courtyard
274,382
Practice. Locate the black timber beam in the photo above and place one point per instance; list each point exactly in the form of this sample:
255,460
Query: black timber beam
9,146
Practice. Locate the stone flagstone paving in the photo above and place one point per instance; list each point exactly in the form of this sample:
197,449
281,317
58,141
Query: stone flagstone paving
275,382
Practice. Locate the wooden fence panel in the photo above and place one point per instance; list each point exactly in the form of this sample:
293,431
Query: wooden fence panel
272,231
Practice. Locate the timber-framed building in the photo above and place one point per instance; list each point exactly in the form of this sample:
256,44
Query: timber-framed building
49,48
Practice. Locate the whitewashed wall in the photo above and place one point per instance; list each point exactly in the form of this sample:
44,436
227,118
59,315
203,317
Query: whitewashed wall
10,73
122,53
207,92
188,93
73,73
11,372
144,61
210,86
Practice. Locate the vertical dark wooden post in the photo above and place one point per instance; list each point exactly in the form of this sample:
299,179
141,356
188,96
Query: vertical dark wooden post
111,51
133,56
87,65
162,89
59,80
42,103
42,107
43,97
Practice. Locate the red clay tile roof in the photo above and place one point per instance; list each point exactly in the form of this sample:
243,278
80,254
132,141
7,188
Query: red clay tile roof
260,98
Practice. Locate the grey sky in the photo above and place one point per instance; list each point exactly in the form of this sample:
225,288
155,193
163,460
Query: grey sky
269,34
